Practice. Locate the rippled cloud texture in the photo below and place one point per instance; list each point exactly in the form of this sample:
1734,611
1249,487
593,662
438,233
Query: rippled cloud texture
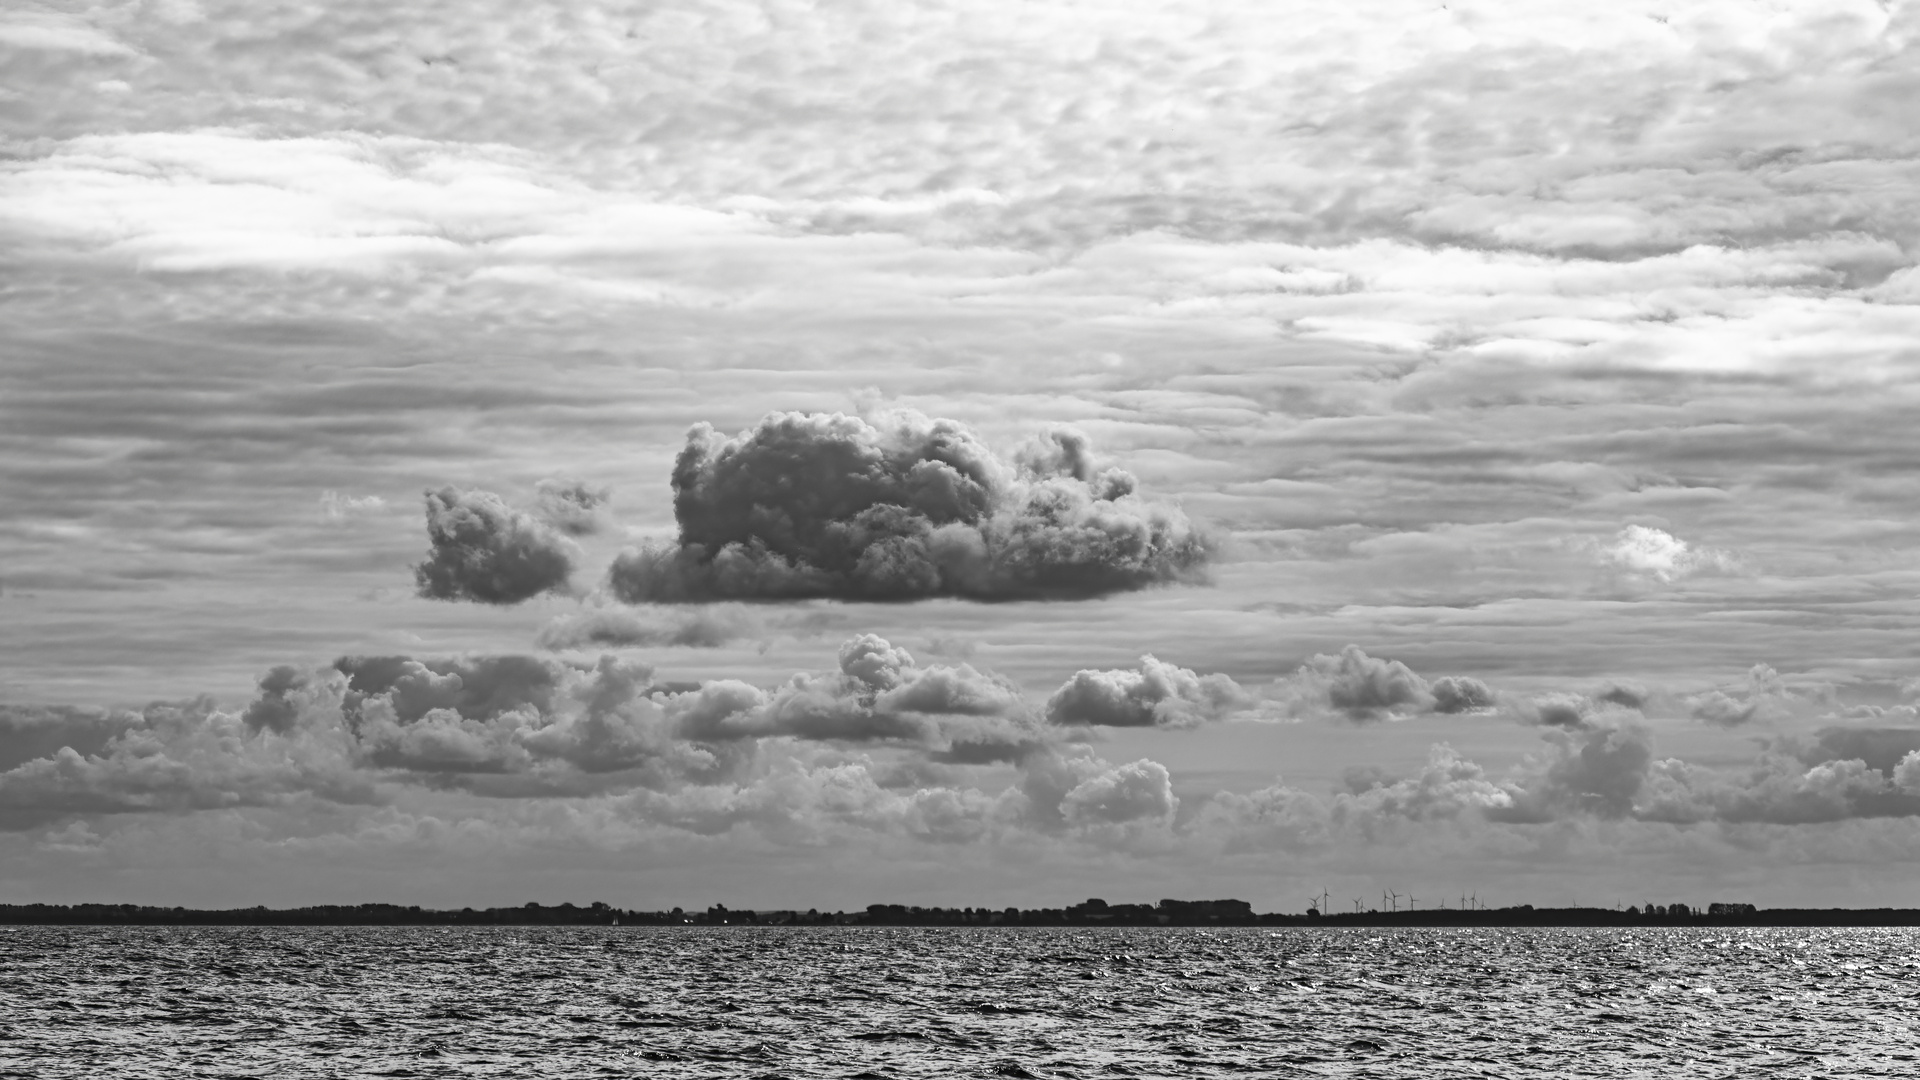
1491,419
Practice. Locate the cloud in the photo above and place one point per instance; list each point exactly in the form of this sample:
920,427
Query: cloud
1081,791
791,760
1124,794
1906,774
1595,769
1764,695
335,507
700,628
879,694
1354,686
181,757
1156,694
1625,695
27,733
282,696
1823,782
1721,709
880,745
1561,710
1660,555
573,506
1365,687
520,714
828,505
57,33
487,552
1460,694
1447,786
1882,749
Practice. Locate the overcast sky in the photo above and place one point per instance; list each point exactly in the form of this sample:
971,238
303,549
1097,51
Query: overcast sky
965,452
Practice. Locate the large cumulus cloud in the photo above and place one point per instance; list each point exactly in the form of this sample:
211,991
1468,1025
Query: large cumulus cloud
829,505
485,551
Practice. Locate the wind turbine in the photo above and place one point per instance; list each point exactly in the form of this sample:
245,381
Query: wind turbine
1412,904
1396,899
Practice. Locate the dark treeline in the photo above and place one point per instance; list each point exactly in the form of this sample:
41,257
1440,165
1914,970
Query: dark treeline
1089,913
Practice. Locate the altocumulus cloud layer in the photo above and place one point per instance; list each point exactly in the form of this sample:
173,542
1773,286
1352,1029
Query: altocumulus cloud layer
812,505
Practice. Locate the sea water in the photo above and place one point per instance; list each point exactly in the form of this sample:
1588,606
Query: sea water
101,1002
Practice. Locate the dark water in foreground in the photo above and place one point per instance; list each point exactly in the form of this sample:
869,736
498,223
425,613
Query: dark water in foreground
924,1002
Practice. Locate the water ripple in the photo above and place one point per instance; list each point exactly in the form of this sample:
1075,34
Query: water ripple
909,1002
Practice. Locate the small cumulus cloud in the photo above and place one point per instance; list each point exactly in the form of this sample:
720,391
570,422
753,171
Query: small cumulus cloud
1460,694
1361,688
904,507
1080,790
1139,791
573,506
1762,695
609,627
485,551
1596,768
1155,694
1661,556
336,507
1560,710
280,701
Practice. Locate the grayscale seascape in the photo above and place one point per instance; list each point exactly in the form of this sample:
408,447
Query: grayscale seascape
1418,501
938,1002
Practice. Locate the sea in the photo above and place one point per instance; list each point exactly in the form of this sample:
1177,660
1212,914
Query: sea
899,1002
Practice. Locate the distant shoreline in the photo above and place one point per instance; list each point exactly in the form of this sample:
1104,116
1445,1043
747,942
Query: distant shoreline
1220,913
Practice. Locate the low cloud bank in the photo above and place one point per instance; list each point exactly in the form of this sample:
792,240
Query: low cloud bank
880,741
904,507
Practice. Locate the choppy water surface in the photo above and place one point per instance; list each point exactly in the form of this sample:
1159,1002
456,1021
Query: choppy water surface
881,1002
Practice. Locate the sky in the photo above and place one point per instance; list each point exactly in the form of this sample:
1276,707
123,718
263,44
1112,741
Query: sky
972,453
